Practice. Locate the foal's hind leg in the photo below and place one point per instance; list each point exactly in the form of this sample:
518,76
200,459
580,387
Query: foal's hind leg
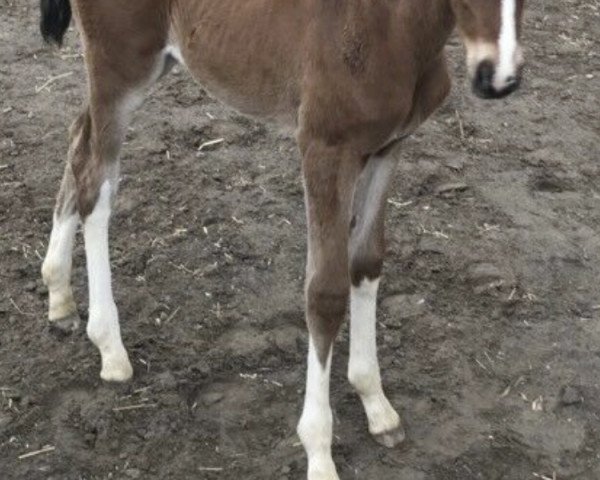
366,257
88,190
56,269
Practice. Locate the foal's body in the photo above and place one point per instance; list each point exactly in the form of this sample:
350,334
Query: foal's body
350,77
321,66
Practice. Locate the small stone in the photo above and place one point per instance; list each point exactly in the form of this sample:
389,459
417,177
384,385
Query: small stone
570,396
133,472
211,398
432,245
485,277
27,401
404,306
481,273
455,163
286,469
30,286
201,367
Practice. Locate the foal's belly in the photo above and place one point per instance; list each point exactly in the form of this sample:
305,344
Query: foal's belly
247,54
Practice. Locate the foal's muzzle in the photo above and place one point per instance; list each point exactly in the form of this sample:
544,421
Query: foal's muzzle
485,85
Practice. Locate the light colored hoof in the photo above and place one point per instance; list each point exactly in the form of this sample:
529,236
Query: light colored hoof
66,325
117,369
391,438
329,474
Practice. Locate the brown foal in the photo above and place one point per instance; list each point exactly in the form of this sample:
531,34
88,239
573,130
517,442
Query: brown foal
351,77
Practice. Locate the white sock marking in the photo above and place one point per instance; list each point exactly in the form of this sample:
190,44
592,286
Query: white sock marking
363,367
315,428
175,52
103,324
56,269
507,44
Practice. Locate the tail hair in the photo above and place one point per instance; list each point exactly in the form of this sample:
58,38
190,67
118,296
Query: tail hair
55,19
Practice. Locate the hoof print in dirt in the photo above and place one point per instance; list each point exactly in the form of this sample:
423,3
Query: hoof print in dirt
402,306
570,396
550,183
65,326
485,277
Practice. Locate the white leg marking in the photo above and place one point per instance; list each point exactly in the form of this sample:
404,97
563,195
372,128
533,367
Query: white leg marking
315,428
175,52
363,368
507,44
103,324
56,269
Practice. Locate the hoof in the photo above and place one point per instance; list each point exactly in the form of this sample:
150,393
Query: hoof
65,325
322,469
323,475
391,438
117,370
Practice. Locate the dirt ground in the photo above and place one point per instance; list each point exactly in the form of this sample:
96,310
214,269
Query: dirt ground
490,307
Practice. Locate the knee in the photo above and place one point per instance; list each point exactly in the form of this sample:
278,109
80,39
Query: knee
365,264
327,299
326,305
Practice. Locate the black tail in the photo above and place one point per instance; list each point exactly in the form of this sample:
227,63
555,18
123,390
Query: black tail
56,16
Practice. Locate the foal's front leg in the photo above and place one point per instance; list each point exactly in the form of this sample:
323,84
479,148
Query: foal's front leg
329,175
366,258
103,327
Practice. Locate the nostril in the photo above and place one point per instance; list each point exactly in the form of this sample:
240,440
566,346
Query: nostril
485,75
483,79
